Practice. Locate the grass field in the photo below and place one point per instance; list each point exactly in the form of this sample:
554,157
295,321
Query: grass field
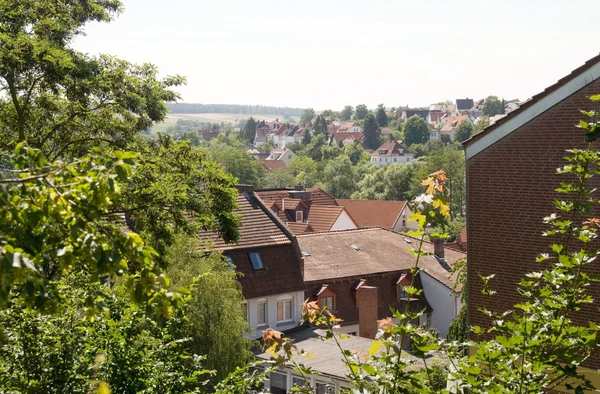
213,118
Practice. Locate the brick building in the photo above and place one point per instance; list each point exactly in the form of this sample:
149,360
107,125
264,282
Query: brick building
511,182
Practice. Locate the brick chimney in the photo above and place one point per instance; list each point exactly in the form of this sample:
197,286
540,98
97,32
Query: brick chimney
366,300
438,247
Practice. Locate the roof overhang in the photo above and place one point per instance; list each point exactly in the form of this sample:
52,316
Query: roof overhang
477,145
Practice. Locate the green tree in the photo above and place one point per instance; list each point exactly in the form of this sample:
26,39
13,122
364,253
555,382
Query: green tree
361,112
492,106
307,116
346,113
248,132
313,150
277,179
463,131
381,116
386,183
305,171
356,153
339,177
215,314
372,132
62,101
416,130
237,163
480,124
321,125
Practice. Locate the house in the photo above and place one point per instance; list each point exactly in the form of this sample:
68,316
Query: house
392,152
367,268
209,135
262,135
404,112
434,118
349,127
272,165
464,104
347,137
511,167
256,154
392,215
478,105
450,126
267,256
282,154
443,107
306,210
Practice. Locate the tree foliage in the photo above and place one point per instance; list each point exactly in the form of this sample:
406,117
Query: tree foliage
321,125
372,132
416,130
361,112
339,177
492,106
237,162
307,116
393,182
346,113
463,131
248,132
381,116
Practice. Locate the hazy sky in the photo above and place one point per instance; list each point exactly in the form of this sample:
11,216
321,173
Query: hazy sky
328,53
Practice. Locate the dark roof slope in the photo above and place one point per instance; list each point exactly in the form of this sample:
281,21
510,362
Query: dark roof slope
464,104
373,213
534,99
256,228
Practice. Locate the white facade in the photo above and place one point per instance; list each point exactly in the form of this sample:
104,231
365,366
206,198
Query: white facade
343,222
272,304
391,159
276,154
403,222
444,303
292,378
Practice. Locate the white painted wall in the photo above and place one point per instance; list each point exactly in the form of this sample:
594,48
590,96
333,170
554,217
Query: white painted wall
444,303
390,160
343,222
337,383
297,300
410,224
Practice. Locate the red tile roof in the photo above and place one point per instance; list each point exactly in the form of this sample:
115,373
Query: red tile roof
373,213
345,126
256,228
320,197
534,99
323,217
271,165
339,136
299,228
453,122
392,148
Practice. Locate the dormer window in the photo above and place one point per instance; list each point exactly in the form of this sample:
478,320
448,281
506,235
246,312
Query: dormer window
256,261
299,217
383,151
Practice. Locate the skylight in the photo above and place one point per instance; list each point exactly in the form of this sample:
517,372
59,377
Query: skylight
354,247
408,240
305,254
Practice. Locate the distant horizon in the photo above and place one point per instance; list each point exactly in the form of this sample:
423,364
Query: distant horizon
325,55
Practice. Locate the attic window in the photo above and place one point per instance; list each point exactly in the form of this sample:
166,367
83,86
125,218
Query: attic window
256,261
299,217
354,247
383,151
305,254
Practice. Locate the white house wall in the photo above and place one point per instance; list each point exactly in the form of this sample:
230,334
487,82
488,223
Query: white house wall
343,222
297,300
444,303
410,224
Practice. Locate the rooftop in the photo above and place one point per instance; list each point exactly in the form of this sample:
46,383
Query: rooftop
323,217
392,148
371,213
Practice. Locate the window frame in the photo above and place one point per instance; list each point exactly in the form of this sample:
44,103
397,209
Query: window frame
291,317
301,216
322,306
259,261
265,314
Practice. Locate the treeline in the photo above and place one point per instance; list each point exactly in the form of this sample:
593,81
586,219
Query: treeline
196,108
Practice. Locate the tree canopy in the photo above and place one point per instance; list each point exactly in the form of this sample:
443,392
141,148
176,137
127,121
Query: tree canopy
416,130
381,116
307,116
493,106
463,131
361,112
346,113
372,132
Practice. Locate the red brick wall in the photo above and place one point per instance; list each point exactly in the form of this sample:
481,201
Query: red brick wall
510,189
366,299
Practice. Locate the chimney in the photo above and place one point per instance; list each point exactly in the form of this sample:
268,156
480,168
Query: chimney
299,188
366,300
438,247
245,188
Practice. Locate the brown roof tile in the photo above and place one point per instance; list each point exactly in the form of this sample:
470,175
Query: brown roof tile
320,197
392,148
317,196
256,228
299,228
271,165
373,213
453,122
323,217
380,250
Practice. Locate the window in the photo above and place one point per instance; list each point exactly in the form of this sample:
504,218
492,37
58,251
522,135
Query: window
256,261
355,333
261,313
245,310
299,216
320,388
298,382
326,302
278,383
395,159
284,310
402,294
403,222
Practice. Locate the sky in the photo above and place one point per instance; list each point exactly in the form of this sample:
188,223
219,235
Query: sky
326,54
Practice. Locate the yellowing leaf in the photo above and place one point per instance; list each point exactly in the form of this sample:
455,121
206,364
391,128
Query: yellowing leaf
375,348
443,208
103,388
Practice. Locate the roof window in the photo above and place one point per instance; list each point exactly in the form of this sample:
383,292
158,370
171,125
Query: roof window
305,254
408,240
256,261
354,247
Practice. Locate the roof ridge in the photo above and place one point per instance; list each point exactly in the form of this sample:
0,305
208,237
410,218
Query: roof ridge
361,229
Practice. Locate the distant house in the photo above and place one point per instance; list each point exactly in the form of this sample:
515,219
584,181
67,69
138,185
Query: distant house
349,127
282,154
392,152
270,262
306,210
359,275
209,135
464,104
272,165
478,105
256,154
450,126
347,137
392,215
404,112
435,117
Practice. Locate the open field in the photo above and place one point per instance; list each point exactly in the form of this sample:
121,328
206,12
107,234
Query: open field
213,118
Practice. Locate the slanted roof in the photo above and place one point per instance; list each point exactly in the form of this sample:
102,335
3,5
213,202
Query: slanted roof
345,126
530,109
256,228
380,250
320,197
453,122
464,104
271,165
339,136
323,217
373,213
391,149
299,228
328,359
